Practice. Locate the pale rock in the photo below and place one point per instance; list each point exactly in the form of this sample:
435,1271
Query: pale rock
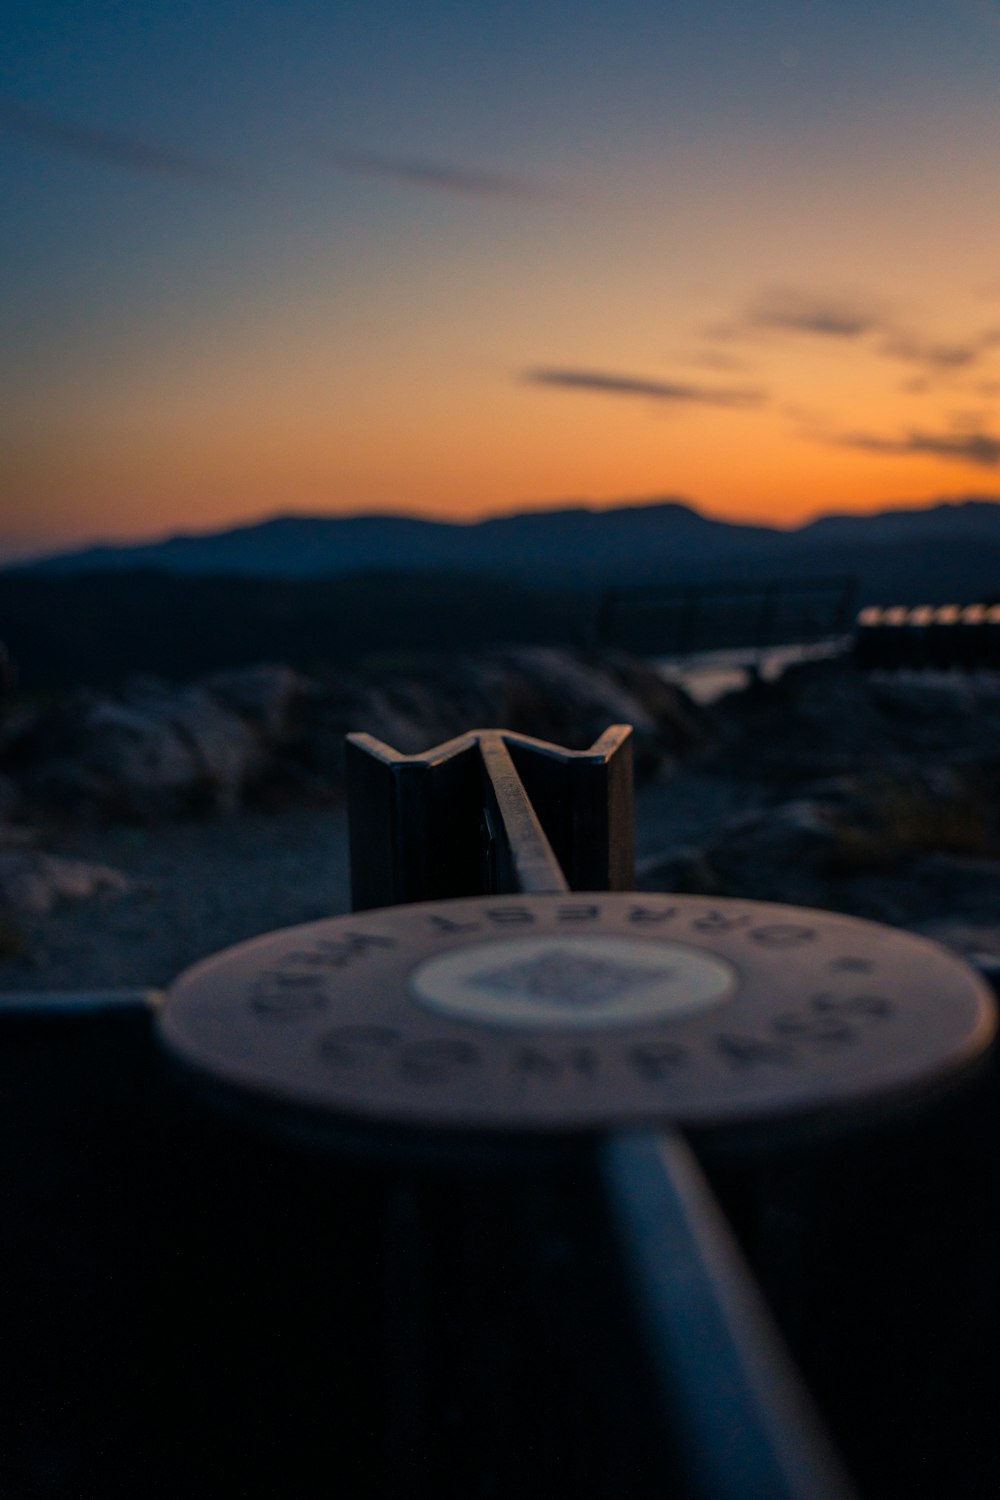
33,883
268,696
152,752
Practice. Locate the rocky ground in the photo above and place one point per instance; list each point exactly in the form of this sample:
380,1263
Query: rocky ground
145,829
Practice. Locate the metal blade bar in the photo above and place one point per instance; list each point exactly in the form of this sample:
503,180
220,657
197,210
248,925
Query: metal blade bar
525,862
730,1394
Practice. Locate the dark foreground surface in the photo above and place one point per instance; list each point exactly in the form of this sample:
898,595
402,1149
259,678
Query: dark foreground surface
199,1306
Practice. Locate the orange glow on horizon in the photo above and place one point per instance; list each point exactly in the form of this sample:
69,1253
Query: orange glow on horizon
195,467
760,277
496,371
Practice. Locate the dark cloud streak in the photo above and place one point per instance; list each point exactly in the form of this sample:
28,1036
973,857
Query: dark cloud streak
794,311
117,150
439,176
975,447
937,357
607,384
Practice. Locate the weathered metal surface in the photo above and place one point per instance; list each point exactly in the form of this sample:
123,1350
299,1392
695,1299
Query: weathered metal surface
571,1012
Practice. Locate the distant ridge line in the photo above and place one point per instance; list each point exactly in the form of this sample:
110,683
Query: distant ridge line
654,542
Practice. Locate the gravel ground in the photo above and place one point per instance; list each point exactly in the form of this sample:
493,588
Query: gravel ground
201,886
196,888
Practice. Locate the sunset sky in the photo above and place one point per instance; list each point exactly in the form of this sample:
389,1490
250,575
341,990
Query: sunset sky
460,259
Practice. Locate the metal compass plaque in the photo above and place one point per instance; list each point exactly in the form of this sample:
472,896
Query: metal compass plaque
571,1012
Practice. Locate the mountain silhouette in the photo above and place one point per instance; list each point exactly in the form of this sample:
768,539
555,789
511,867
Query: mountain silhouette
949,549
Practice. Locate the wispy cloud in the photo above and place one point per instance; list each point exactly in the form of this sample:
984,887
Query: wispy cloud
608,384
116,149
938,357
979,448
871,324
440,177
796,311
713,359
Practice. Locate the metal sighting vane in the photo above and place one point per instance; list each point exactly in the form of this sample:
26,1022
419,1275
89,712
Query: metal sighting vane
499,977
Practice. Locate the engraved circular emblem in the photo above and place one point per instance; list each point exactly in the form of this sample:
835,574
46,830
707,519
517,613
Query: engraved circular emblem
569,1013
572,983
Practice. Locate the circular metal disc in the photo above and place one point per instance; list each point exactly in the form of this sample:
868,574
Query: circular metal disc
578,1011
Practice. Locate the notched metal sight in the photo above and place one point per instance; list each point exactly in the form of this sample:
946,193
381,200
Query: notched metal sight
491,812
